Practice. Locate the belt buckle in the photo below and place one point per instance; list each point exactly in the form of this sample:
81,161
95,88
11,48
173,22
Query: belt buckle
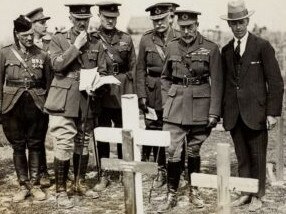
27,84
115,69
185,81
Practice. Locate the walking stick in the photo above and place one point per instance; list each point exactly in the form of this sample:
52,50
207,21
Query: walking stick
98,164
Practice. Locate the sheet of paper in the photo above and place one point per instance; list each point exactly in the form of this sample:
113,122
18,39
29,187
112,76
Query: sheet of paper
151,115
87,78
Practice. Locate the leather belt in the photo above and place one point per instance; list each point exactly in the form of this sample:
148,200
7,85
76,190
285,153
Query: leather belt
186,81
27,84
154,73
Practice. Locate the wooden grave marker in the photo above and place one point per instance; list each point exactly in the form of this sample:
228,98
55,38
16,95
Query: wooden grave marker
131,137
223,182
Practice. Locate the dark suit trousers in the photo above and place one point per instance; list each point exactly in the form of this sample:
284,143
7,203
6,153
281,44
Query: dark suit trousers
250,148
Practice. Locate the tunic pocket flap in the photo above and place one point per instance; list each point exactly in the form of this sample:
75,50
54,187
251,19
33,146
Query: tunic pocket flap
12,62
62,83
201,93
175,58
172,92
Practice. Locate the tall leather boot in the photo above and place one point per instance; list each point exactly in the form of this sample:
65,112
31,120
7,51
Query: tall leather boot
194,165
45,180
61,176
80,171
162,171
103,182
21,167
173,179
34,169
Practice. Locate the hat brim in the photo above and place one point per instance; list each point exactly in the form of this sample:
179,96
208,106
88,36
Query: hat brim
185,23
41,19
81,16
110,14
160,16
225,17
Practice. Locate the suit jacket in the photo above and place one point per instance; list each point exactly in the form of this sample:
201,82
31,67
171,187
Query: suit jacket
11,69
258,92
64,97
193,104
149,60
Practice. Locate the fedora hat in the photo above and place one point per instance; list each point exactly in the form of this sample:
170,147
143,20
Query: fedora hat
236,10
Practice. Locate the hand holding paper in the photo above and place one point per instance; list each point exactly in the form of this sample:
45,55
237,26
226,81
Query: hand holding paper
90,80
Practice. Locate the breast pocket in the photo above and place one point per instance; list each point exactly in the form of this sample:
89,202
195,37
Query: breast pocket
12,69
177,67
201,104
152,57
124,52
57,97
200,63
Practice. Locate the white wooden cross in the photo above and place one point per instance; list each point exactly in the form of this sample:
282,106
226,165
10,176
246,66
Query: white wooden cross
222,181
132,137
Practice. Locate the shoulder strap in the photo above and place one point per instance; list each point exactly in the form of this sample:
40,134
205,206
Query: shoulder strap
17,55
111,52
160,52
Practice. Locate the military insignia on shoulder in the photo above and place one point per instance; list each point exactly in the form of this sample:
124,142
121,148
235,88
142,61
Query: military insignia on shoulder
37,63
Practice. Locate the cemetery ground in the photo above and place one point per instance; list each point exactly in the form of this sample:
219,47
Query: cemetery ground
112,199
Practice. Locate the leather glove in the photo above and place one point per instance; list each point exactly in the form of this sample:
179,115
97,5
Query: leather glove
212,121
142,105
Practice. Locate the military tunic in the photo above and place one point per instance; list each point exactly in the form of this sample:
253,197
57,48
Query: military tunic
193,103
150,65
122,66
191,92
22,94
64,97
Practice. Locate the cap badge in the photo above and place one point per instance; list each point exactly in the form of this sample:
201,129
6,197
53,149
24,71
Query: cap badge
158,11
83,10
185,17
112,9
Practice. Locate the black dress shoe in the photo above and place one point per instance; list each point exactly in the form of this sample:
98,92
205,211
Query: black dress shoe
245,199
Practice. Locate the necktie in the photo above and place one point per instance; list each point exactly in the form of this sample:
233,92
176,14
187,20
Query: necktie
237,49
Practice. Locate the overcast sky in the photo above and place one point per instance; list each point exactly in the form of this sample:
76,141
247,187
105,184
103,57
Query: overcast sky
269,13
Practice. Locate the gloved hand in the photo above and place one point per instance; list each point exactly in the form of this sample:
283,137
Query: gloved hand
212,121
80,40
142,105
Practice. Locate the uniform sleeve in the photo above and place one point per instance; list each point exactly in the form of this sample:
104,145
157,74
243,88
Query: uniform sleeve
140,77
166,77
61,58
274,81
132,62
101,60
216,82
2,77
47,72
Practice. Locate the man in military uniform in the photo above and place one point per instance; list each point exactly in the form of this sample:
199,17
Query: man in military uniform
71,118
191,103
150,62
39,26
121,62
24,77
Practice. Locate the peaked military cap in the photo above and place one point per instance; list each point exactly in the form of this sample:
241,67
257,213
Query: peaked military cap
37,15
159,10
80,10
22,24
108,8
186,17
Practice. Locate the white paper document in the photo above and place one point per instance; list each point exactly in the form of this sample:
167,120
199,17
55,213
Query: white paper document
90,80
151,115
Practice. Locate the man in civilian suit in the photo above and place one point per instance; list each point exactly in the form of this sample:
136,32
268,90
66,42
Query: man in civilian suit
253,93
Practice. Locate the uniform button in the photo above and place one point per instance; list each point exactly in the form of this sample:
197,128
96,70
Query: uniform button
26,60
237,87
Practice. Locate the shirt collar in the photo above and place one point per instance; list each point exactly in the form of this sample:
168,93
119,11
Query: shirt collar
242,40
